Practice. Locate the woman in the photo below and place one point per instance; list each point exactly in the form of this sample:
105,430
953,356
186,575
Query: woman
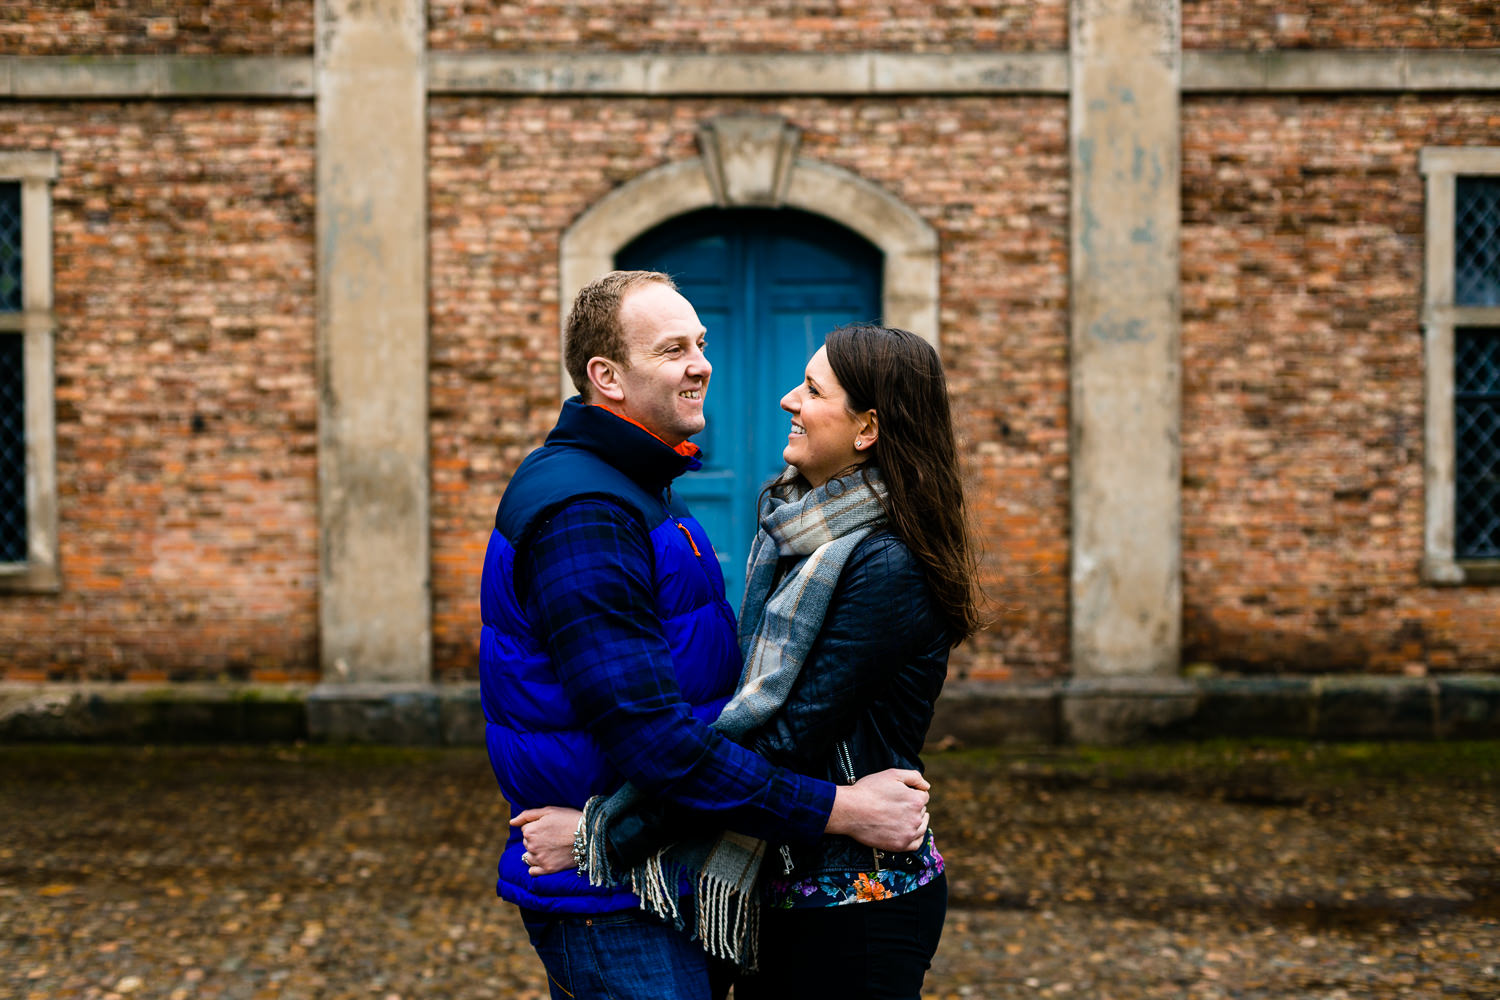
860,581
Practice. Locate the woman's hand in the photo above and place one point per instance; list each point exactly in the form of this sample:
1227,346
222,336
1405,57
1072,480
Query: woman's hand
548,835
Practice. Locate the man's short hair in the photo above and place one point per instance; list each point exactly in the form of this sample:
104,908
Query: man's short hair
593,329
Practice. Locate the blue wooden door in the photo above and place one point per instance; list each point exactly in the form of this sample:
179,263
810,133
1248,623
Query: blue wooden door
768,285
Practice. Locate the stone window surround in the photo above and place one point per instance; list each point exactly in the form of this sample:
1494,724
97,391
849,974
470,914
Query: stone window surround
35,322
1441,166
751,161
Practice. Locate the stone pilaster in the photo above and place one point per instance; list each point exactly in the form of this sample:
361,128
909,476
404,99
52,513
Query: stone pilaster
1126,327
374,578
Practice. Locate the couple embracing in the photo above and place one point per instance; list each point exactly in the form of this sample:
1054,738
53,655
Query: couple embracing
694,806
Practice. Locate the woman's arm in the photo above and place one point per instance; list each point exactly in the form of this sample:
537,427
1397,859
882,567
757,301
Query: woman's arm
548,835
632,837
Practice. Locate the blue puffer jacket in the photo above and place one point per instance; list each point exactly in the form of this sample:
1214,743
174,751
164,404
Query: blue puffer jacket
540,753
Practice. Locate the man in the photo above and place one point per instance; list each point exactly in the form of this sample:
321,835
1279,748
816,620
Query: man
608,647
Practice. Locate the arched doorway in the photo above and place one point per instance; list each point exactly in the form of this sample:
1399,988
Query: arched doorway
768,284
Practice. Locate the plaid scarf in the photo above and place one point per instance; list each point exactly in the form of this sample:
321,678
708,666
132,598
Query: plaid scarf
821,527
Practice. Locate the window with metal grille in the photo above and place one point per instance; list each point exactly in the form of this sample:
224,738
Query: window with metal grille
1476,370
1476,241
1476,400
28,439
1461,354
10,247
12,385
12,449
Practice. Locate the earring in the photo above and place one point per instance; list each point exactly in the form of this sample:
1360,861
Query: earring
857,445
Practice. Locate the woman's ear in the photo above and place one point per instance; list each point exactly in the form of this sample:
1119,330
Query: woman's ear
604,376
868,425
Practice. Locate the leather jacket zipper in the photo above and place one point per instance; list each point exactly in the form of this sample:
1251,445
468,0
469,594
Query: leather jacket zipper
846,760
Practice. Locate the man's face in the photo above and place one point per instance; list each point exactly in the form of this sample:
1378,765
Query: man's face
668,374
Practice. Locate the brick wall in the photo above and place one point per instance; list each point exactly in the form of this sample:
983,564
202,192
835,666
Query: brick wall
991,176
186,415
778,25
1303,402
1345,24
185,350
156,27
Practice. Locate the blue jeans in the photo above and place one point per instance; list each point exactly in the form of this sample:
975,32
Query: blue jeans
623,956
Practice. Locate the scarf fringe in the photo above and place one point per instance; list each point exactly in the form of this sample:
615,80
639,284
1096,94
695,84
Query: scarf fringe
656,883
727,910
728,921
596,859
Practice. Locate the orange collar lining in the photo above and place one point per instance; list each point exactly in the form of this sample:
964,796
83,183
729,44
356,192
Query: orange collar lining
687,449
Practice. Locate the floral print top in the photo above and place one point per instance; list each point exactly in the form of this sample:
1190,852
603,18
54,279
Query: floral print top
842,888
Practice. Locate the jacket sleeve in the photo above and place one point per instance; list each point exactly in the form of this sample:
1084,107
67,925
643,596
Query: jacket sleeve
586,577
880,611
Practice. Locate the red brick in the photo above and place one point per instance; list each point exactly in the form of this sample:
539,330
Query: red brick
703,26
156,27
961,163
183,256
1303,411
1341,24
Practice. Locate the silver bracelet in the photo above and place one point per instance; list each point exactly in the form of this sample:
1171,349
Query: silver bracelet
580,849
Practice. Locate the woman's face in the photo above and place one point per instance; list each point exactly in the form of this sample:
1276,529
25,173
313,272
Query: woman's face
826,438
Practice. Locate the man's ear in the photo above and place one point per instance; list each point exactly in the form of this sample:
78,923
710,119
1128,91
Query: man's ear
869,429
604,376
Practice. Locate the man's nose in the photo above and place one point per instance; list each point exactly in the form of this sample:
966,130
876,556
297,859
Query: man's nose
699,365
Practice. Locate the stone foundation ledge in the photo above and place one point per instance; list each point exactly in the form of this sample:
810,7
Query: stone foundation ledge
970,714
192,712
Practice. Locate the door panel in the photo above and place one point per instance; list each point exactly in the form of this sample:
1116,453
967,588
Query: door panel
768,285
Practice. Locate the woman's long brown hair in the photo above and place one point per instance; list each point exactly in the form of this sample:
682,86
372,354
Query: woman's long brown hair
899,376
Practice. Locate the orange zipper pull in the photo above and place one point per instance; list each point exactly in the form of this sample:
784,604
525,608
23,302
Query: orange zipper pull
683,528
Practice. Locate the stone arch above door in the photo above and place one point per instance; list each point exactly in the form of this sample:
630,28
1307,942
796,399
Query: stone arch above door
751,161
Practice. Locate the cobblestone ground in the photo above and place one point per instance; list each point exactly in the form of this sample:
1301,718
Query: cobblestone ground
1201,871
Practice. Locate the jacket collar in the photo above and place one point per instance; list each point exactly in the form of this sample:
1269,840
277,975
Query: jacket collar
623,443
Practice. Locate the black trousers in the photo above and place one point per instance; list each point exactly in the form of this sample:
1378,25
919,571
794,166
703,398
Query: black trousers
880,949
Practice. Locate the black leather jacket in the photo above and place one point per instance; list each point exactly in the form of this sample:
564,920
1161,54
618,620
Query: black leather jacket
861,703
864,698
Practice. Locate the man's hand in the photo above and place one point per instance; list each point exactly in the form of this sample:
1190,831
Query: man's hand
886,810
548,835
